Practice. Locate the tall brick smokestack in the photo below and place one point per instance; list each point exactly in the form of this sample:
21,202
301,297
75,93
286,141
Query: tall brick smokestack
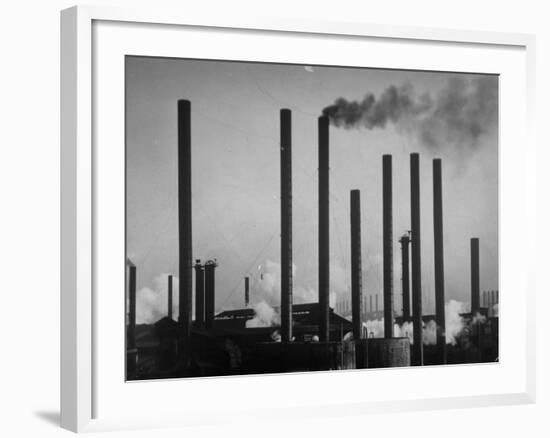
405,279
438,263
185,231
199,295
170,298
418,350
324,276
356,274
388,244
286,225
210,292
474,271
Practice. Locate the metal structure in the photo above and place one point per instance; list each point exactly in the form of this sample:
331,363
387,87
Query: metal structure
246,291
210,292
324,260
387,232
185,232
170,298
200,316
131,331
356,269
474,272
438,263
418,350
405,278
286,225
131,350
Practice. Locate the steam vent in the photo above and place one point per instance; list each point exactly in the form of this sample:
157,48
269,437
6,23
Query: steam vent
347,262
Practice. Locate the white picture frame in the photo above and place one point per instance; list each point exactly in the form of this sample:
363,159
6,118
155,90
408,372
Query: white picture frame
81,374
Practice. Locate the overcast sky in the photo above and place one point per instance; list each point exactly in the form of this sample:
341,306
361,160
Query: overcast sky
235,152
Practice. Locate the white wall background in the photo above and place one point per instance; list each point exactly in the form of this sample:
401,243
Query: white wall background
29,219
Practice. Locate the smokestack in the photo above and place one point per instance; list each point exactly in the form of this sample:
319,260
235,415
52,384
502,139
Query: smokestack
210,292
376,303
356,277
405,276
246,291
474,271
199,295
438,263
324,276
131,351
388,244
131,336
286,226
418,350
170,302
185,231
370,303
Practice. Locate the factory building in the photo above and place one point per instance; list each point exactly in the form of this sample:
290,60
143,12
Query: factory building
305,323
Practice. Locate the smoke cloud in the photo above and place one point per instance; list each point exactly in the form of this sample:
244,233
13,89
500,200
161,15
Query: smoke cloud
152,302
456,117
264,316
454,324
269,285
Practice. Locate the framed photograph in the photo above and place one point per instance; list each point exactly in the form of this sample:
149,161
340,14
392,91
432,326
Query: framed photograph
339,215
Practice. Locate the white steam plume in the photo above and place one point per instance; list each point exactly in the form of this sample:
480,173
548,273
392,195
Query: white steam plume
152,302
454,323
269,289
264,316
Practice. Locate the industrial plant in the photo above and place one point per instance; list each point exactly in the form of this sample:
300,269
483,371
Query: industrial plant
361,331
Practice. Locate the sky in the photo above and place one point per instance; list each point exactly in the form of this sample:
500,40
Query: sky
235,173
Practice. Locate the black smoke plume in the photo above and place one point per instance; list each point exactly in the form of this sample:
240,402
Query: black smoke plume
458,115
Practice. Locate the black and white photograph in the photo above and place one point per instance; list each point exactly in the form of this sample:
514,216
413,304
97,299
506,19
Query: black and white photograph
295,218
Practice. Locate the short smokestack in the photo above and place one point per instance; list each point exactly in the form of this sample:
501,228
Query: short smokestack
324,276
131,336
199,295
418,350
388,244
438,262
356,275
404,241
131,351
170,298
474,271
246,291
185,231
210,292
286,226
